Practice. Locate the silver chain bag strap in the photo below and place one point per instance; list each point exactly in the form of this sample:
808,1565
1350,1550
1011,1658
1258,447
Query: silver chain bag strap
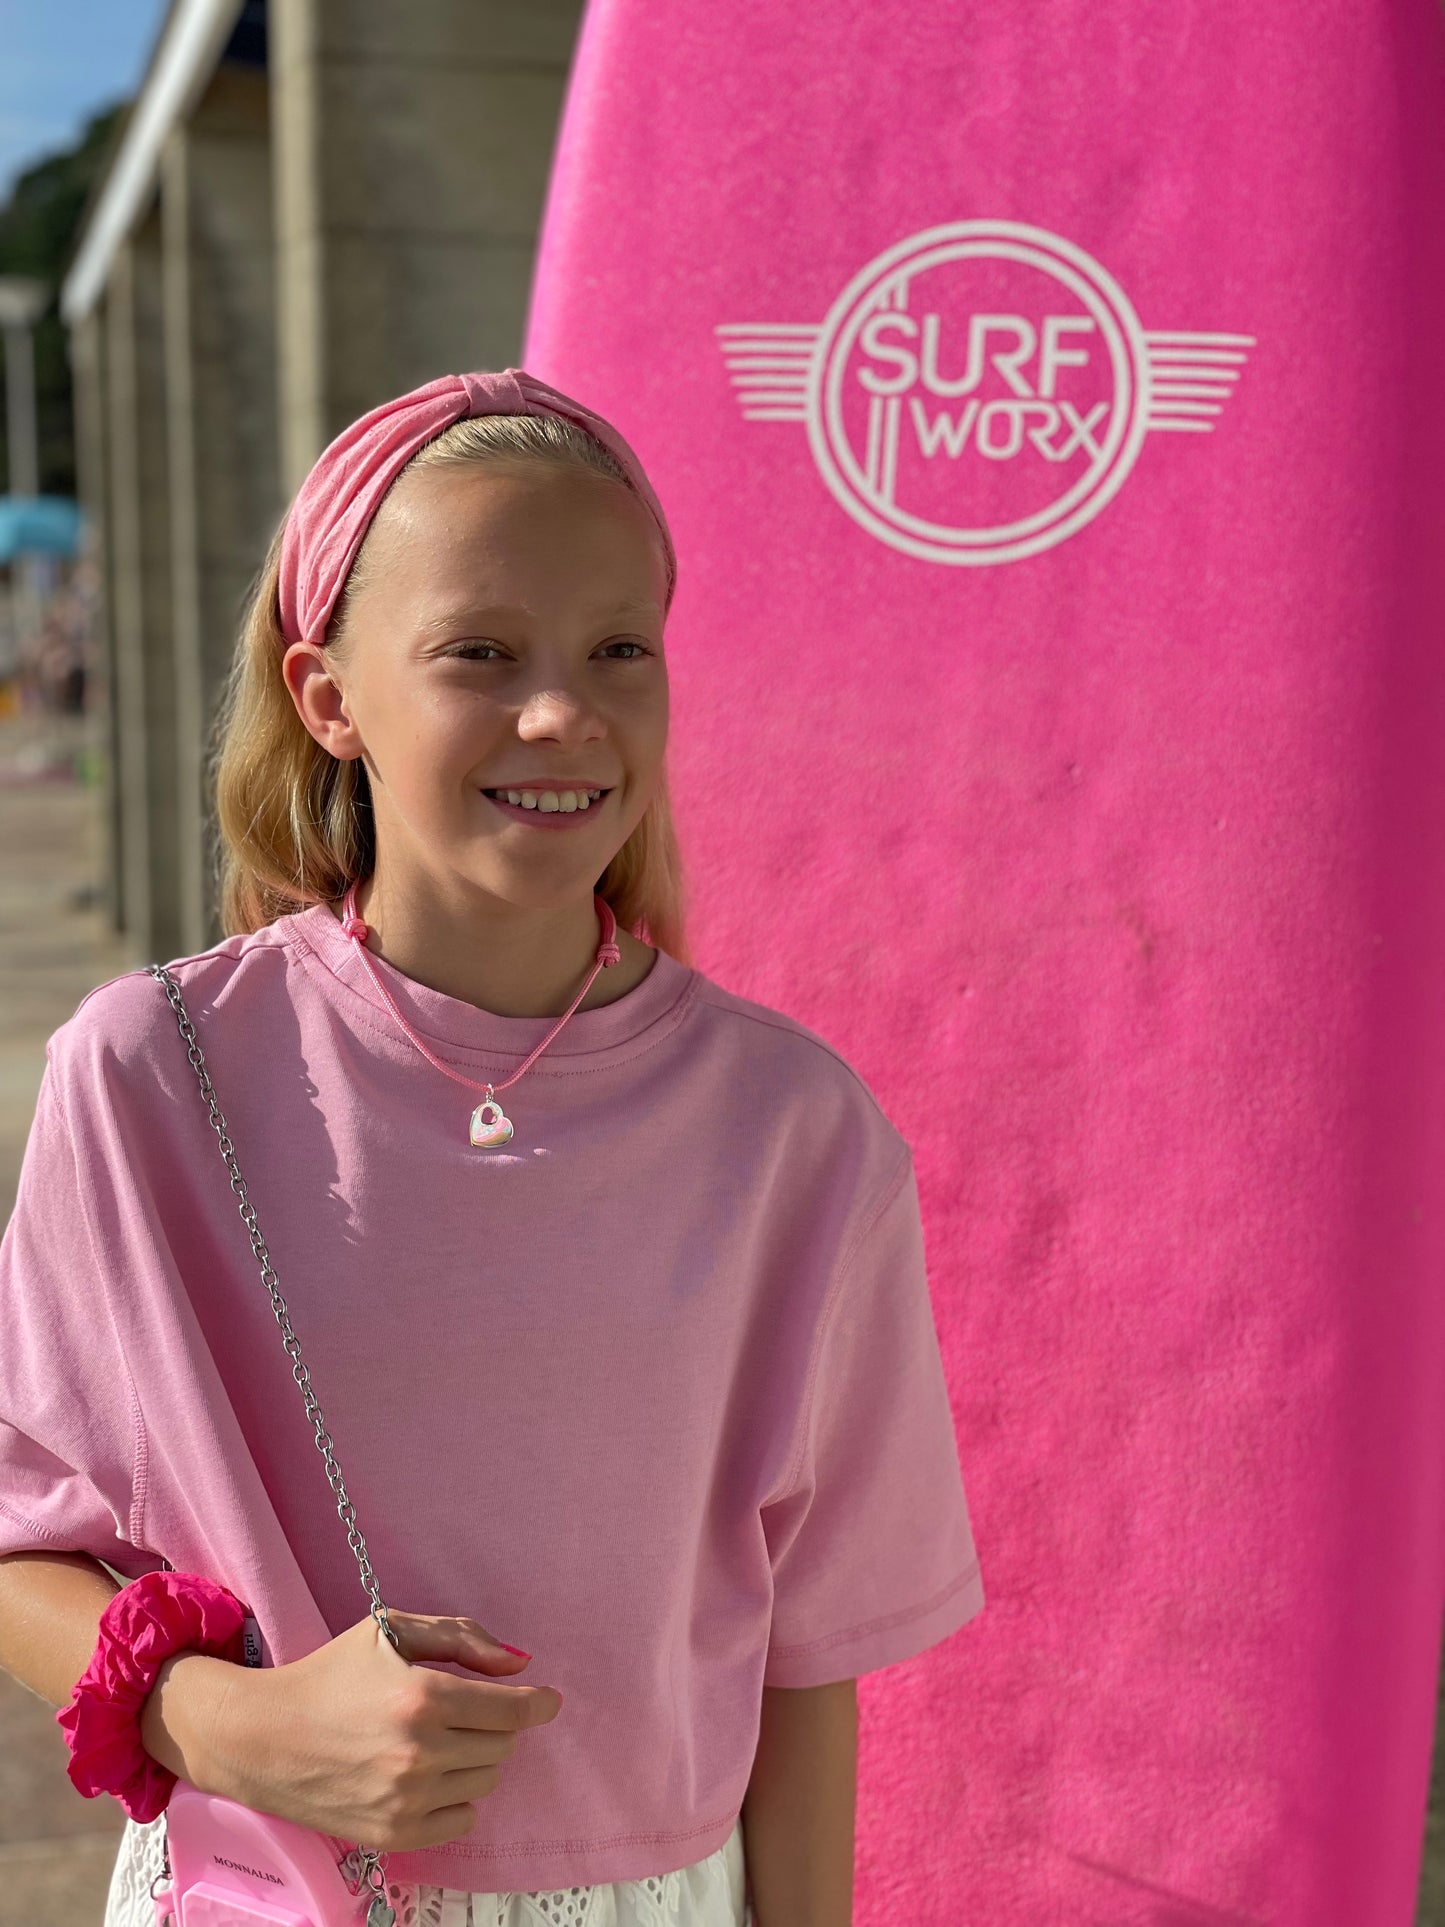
365,1867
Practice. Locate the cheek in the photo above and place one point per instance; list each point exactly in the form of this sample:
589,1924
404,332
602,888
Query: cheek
645,716
647,753
456,722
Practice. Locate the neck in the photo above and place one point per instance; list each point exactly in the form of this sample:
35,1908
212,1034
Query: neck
511,961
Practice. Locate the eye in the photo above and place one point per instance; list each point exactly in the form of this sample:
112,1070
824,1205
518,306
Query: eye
474,651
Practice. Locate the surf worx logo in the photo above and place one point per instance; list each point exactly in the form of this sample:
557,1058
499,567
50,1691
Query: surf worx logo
979,391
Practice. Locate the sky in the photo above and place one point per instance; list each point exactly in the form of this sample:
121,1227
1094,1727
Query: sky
60,62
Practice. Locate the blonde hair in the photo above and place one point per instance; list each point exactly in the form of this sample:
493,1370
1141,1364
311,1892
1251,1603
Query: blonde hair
295,823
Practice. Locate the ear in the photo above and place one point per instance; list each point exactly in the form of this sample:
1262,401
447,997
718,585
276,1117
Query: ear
312,683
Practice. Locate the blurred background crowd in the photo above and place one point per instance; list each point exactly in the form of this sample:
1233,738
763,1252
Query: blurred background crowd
48,655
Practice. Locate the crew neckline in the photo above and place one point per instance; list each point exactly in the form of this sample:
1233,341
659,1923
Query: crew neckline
453,1023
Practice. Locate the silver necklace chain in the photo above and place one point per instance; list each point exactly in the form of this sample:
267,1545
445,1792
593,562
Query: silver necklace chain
345,1510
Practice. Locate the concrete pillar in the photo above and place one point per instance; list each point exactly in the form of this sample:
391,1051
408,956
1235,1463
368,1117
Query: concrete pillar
141,577
412,149
87,370
220,349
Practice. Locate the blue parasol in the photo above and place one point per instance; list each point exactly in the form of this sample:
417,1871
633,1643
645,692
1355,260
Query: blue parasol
38,525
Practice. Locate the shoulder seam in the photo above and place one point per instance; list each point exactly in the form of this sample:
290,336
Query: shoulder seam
870,1218
120,977
794,1029
142,970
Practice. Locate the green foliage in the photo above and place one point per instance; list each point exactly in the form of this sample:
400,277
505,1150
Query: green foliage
39,227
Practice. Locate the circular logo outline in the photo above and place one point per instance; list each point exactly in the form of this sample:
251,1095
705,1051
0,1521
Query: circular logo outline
1122,332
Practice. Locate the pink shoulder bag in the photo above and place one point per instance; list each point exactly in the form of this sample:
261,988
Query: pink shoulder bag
225,1864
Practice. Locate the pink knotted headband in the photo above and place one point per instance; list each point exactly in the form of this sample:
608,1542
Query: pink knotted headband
334,505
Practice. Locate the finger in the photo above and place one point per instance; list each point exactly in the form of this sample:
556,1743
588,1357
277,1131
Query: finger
462,1642
471,1787
475,1705
475,1634
443,1825
466,1750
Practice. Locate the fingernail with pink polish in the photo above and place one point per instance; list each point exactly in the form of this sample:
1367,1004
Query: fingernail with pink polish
513,1649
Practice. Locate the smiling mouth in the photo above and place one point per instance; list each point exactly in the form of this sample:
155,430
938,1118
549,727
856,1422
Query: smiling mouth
550,802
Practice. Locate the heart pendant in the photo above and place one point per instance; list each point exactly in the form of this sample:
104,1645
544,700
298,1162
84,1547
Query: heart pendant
490,1124
380,1914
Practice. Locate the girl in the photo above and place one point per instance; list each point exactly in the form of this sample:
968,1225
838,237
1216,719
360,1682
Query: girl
609,1282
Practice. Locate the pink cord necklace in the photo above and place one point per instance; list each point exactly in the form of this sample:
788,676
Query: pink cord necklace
490,1124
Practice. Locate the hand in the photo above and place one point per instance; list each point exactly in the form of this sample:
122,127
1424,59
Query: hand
360,1741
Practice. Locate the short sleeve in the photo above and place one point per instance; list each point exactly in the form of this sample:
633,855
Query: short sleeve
71,1441
871,1547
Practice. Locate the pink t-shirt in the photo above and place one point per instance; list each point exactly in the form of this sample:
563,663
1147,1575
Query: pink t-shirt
654,1392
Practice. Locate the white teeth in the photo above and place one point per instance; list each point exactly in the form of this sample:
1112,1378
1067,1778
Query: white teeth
552,800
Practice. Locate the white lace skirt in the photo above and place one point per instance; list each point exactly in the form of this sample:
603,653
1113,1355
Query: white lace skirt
710,1893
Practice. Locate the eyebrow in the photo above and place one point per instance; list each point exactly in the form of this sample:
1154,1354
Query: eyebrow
484,611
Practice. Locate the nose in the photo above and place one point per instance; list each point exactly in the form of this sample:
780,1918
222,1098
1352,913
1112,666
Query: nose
559,714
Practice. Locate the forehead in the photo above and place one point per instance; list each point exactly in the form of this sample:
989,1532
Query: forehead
484,527
441,606
460,498
490,513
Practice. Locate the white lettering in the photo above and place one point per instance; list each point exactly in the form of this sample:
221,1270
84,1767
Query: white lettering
871,344
1040,436
954,435
1081,436
1013,416
1052,357
980,326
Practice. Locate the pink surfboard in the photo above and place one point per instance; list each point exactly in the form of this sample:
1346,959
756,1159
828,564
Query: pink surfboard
1049,402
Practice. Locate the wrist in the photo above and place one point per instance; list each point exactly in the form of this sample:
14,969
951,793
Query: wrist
188,1719
181,1624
